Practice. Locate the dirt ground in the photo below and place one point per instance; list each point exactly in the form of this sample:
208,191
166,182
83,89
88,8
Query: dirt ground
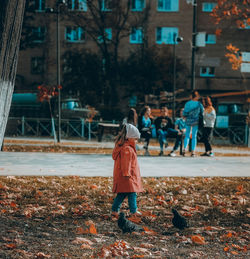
69,217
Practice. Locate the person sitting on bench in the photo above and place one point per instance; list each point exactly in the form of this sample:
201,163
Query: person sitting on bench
164,128
145,126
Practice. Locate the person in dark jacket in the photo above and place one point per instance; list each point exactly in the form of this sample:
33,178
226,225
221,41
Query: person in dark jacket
164,128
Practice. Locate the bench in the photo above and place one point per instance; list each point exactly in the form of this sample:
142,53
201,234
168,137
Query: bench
110,128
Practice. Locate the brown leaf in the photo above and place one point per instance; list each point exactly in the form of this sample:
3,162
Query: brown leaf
146,245
10,246
41,255
85,246
82,240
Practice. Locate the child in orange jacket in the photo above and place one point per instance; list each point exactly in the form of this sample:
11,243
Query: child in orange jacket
126,175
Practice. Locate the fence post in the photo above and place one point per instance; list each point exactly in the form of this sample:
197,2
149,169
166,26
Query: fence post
89,130
248,141
23,125
53,129
82,127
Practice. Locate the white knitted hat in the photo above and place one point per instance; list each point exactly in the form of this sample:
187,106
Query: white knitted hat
132,131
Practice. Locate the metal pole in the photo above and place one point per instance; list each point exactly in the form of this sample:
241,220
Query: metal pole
193,45
174,79
58,71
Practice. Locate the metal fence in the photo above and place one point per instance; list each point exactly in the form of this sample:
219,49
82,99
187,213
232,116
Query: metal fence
46,127
85,129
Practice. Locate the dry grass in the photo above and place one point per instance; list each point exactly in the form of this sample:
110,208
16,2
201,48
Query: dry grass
49,217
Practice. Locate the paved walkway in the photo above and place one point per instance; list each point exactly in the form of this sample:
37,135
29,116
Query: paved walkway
61,164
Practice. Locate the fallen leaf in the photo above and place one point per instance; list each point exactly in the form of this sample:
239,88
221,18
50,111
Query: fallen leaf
92,229
82,240
41,255
85,246
149,231
146,245
197,239
10,246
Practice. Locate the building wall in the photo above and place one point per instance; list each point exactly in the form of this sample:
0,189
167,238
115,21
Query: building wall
225,79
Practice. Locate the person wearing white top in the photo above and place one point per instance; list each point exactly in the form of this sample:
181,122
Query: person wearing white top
209,117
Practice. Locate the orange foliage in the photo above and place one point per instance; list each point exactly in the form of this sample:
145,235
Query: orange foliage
218,32
90,230
149,231
232,56
198,239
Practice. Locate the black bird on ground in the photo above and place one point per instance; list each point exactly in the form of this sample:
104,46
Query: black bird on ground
179,221
127,226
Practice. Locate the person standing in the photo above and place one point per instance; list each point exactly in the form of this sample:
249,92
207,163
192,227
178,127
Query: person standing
126,175
145,126
209,117
131,118
192,110
180,126
164,128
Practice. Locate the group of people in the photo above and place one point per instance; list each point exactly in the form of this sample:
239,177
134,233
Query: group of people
192,117
126,175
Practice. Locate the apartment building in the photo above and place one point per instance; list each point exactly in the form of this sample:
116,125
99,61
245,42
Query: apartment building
167,19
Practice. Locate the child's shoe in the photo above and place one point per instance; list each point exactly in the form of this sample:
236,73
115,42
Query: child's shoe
136,214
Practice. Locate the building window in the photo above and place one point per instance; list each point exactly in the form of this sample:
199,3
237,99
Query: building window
208,7
39,5
37,65
77,5
106,5
168,5
207,71
107,35
136,35
38,34
166,35
210,38
74,34
138,5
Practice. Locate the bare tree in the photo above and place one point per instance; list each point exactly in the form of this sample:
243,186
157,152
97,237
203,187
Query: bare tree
102,16
11,17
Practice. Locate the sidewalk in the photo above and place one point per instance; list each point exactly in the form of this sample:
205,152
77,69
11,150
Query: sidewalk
83,146
91,158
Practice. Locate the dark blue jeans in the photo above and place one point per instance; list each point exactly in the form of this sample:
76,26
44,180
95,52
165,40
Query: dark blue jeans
163,135
120,198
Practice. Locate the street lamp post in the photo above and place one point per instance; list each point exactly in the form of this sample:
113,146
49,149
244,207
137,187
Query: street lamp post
193,45
58,61
176,40
194,32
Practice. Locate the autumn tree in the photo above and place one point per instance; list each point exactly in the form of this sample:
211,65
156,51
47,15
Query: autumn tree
11,17
151,71
235,12
107,23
